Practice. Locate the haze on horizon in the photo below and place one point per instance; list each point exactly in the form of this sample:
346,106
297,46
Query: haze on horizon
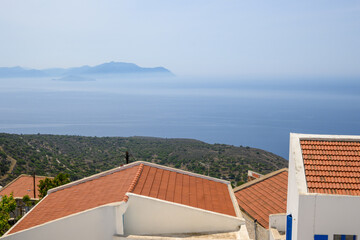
201,38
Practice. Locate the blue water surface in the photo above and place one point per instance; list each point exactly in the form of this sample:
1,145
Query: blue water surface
249,112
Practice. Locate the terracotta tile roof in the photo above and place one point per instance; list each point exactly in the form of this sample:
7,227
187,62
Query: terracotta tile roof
332,167
185,189
21,186
253,175
77,198
264,196
140,178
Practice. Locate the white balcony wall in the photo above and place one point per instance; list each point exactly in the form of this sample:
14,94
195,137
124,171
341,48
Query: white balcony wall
151,216
328,214
94,224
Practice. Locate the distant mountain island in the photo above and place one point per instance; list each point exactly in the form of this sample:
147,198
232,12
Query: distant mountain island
111,68
74,78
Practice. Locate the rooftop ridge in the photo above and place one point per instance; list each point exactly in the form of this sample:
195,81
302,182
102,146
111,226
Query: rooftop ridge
134,182
102,174
264,177
185,172
95,176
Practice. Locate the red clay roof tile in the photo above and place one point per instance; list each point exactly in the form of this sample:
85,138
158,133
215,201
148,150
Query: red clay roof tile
21,186
144,179
265,196
332,167
184,189
80,197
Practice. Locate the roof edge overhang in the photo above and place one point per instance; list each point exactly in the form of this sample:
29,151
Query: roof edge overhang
132,165
264,177
234,202
326,137
114,204
329,195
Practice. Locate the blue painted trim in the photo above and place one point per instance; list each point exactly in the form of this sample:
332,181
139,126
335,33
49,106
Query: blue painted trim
321,237
288,227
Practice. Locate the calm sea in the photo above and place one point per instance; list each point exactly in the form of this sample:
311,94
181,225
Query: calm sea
257,113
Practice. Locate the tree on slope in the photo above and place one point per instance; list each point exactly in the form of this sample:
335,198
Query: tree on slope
48,183
7,205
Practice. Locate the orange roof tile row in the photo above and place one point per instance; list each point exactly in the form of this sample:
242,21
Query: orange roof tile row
332,167
334,185
267,195
331,153
332,162
332,157
336,174
21,186
100,191
140,178
334,180
185,189
324,143
334,147
336,191
312,168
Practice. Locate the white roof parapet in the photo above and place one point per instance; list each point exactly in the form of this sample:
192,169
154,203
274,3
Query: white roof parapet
298,163
326,137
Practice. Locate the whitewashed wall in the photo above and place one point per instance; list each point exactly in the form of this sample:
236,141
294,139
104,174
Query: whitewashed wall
296,181
95,224
261,232
329,215
278,221
151,216
140,215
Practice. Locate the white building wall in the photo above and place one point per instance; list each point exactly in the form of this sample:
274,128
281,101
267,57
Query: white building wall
151,216
275,235
95,224
318,213
328,215
278,221
296,181
252,228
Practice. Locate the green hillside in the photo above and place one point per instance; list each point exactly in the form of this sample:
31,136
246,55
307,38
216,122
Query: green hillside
83,156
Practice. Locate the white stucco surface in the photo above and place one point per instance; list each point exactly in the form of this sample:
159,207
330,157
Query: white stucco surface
151,216
278,221
329,215
295,181
312,213
275,235
95,224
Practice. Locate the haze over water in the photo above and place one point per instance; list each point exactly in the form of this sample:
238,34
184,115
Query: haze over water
250,112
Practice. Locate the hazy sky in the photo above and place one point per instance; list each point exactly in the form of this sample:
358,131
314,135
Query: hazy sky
189,37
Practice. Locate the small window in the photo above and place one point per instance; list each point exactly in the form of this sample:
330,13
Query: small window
320,237
344,237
